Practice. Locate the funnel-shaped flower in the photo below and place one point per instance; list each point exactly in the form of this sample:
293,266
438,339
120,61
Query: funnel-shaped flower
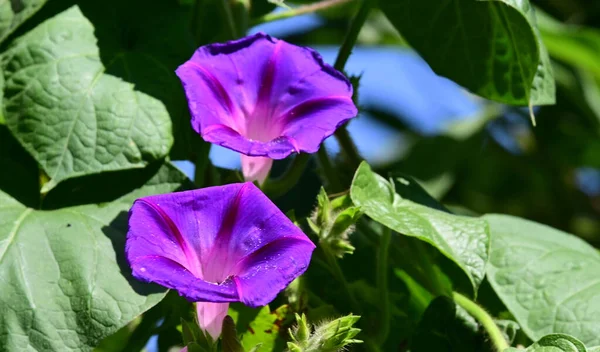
264,98
216,245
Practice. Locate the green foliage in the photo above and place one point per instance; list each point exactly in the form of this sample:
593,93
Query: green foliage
13,13
66,284
77,120
546,278
333,221
463,240
446,327
330,336
491,47
555,343
261,328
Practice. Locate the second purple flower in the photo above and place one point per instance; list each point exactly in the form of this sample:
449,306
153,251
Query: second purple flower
265,99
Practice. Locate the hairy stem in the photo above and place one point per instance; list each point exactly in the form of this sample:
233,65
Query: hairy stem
301,10
496,335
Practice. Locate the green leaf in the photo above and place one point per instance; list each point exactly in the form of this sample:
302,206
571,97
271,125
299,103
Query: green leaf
260,326
490,47
74,119
229,339
446,327
555,343
143,42
463,240
13,13
547,279
65,282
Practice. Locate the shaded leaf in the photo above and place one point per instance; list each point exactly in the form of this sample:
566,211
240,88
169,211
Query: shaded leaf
490,47
446,327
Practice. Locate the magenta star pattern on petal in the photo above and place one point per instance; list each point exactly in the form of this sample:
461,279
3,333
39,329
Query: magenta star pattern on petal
216,245
264,98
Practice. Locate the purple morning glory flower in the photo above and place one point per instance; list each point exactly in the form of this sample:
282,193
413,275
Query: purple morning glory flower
264,98
216,245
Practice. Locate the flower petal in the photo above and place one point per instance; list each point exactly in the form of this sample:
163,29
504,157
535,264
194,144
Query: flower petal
252,95
252,222
256,168
172,275
194,242
267,271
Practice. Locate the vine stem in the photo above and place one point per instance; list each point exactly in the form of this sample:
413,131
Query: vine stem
328,170
496,335
231,27
342,135
352,35
301,10
382,284
339,274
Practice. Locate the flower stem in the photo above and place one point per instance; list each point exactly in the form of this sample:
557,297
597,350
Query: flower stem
357,23
330,175
382,285
289,179
496,335
301,10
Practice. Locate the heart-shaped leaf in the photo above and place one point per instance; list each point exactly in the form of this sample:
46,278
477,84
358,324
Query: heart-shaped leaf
548,279
463,240
74,119
64,281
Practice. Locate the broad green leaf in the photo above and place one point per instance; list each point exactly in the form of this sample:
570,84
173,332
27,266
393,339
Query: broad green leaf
463,240
15,12
65,284
491,47
157,40
74,119
446,327
547,279
555,343
260,326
